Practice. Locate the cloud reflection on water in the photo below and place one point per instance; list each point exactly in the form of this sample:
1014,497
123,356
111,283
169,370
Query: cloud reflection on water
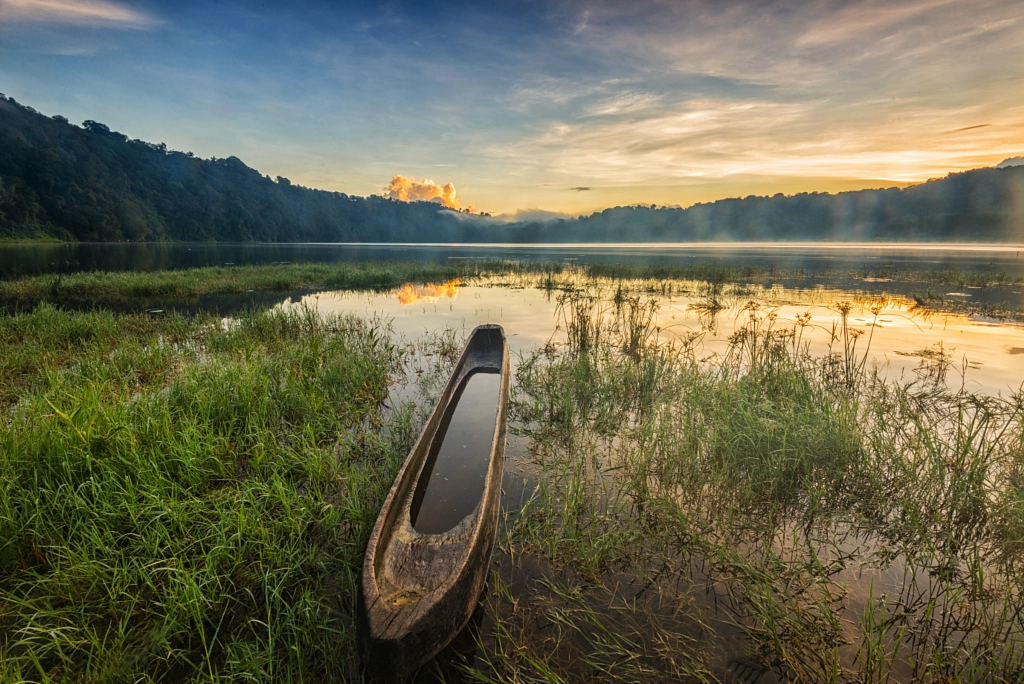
411,293
900,336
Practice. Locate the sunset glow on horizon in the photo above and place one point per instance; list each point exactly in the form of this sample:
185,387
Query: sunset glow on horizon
567,107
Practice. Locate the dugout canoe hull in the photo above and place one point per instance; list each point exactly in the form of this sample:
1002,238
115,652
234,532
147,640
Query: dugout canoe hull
417,591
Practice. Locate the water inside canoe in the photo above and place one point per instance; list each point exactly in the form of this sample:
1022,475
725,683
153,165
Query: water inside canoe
456,477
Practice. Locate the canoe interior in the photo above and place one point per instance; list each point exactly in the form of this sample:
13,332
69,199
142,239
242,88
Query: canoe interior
418,590
455,471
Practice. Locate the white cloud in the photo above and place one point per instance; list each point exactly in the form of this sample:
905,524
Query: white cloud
626,103
81,12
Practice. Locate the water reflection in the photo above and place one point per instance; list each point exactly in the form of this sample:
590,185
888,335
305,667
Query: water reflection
885,330
411,293
888,261
456,469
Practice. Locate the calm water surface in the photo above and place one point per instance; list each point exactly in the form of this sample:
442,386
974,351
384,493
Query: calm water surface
985,356
457,473
31,259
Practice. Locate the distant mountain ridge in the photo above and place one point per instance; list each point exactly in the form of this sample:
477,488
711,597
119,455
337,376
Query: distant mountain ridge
89,183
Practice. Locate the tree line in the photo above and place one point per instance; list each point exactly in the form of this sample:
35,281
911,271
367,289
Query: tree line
89,183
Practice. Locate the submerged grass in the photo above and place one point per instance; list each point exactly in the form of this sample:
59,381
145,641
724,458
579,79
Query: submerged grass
768,516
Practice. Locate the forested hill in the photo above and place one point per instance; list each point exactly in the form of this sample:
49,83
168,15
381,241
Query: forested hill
68,182
983,205
90,183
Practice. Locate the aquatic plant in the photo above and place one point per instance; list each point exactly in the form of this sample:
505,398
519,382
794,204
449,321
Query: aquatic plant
758,514
188,497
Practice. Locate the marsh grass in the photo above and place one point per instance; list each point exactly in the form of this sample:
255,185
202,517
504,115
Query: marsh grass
931,300
188,499
139,287
41,343
175,289
950,276
715,288
766,516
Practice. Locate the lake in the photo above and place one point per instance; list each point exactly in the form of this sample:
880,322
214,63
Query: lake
986,354
36,258
859,575
662,514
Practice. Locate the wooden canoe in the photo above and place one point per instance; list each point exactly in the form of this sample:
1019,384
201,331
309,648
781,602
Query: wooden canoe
417,591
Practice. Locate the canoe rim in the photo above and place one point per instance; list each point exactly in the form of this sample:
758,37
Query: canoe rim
486,349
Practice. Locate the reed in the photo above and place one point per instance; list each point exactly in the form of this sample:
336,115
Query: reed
816,521
188,497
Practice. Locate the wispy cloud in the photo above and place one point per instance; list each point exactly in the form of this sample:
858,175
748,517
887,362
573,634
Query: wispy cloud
721,138
717,90
652,100
626,103
80,12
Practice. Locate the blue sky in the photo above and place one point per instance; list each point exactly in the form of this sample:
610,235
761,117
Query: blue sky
565,106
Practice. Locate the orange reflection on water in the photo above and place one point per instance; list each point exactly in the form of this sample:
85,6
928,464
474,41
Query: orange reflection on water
410,294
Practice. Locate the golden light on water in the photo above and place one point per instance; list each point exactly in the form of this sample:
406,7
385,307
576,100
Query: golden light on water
411,294
890,330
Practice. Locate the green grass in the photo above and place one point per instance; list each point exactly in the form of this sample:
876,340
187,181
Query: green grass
193,501
771,512
187,498
48,340
191,283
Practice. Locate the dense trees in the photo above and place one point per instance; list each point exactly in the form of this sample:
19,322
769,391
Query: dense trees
980,205
90,183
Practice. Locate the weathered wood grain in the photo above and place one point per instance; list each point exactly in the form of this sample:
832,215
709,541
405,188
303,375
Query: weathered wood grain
417,591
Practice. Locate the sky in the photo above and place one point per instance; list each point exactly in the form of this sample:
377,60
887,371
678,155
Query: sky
559,106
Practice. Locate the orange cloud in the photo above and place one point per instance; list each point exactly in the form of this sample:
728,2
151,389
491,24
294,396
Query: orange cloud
410,294
411,190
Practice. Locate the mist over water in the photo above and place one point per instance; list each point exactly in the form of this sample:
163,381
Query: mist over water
32,259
